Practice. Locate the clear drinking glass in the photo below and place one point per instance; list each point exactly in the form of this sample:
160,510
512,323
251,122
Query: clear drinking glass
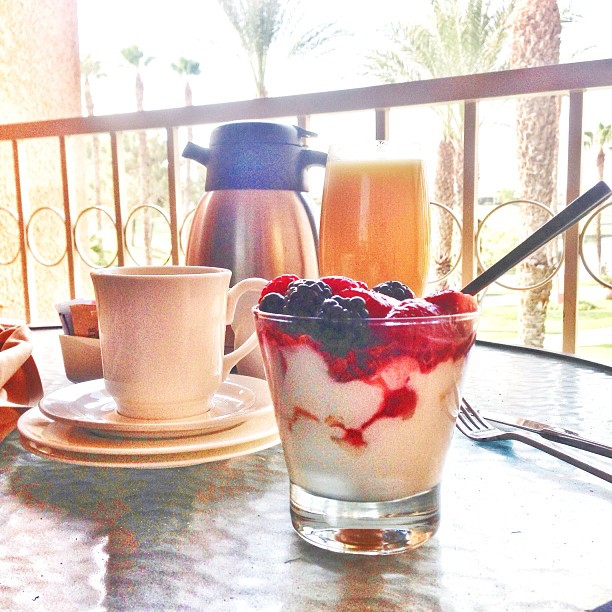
365,419
375,214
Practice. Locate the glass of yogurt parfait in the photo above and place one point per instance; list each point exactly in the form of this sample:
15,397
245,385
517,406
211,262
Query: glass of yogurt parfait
366,386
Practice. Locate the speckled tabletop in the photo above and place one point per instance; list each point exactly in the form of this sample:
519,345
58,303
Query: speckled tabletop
520,529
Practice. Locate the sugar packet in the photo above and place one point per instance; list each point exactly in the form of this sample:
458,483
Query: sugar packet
79,318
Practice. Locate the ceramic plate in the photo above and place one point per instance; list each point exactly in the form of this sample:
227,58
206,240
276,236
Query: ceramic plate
151,461
88,405
37,428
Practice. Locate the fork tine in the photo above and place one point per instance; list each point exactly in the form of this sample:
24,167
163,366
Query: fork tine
466,414
462,426
475,416
464,423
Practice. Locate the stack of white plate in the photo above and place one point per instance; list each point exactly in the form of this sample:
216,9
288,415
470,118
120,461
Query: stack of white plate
80,424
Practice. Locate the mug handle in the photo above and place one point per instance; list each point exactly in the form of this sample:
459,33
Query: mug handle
231,359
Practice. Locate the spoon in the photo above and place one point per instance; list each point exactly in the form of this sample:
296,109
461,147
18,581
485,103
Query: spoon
571,214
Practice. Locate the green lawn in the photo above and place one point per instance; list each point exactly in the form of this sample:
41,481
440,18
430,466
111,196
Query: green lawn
500,323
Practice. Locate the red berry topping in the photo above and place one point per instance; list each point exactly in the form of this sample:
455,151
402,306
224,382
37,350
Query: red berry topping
453,302
415,307
278,285
340,283
378,305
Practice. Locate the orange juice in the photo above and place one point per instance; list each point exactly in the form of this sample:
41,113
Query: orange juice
375,221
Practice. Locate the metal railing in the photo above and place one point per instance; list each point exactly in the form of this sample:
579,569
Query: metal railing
570,80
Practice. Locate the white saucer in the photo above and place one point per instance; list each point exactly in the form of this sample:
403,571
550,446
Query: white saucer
48,434
151,461
88,405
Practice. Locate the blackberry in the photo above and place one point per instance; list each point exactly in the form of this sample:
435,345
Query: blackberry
304,297
272,302
395,289
342,325
344,309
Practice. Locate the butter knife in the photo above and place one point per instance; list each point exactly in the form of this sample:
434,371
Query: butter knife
550,432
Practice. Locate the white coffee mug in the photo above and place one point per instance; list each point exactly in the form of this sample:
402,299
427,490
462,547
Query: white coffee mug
162,333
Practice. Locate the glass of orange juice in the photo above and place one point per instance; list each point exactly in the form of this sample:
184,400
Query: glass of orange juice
375,214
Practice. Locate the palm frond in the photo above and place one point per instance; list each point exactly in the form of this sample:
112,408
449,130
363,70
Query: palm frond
260,26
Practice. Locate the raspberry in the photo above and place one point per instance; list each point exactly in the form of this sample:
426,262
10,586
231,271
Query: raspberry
394,289
340,283
278,285
453,302
415,307
378,304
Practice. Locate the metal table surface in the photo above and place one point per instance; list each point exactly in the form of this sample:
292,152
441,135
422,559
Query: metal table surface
520,529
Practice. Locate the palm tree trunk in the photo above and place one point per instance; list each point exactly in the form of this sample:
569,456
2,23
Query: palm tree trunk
458,181
459,174
95,150
187,182
143,156
536,41
538,120
444,193
601,158
143,160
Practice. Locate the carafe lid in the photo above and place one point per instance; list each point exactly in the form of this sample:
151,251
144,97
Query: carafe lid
258,132
256,155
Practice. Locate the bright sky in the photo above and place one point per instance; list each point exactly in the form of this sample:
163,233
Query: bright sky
198,29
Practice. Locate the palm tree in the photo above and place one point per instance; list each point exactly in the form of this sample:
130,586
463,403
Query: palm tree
91,69
536,41
463,39
601,139
262,24
187,68
135,57
447,174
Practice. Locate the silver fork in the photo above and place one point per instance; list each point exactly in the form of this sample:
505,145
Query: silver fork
474,426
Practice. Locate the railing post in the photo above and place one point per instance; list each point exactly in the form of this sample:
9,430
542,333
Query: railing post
303,121
572,238
382,124
22,234
117,199
67,217
470,183
173,166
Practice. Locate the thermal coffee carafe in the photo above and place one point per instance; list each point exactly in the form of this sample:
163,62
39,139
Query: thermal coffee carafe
254,218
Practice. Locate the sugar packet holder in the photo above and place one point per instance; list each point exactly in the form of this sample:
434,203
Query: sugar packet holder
79,343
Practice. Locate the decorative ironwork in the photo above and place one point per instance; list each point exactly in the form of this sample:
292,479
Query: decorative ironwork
188,216
457,222
15,219
157,209
478,240
29,240
583,234
78,220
